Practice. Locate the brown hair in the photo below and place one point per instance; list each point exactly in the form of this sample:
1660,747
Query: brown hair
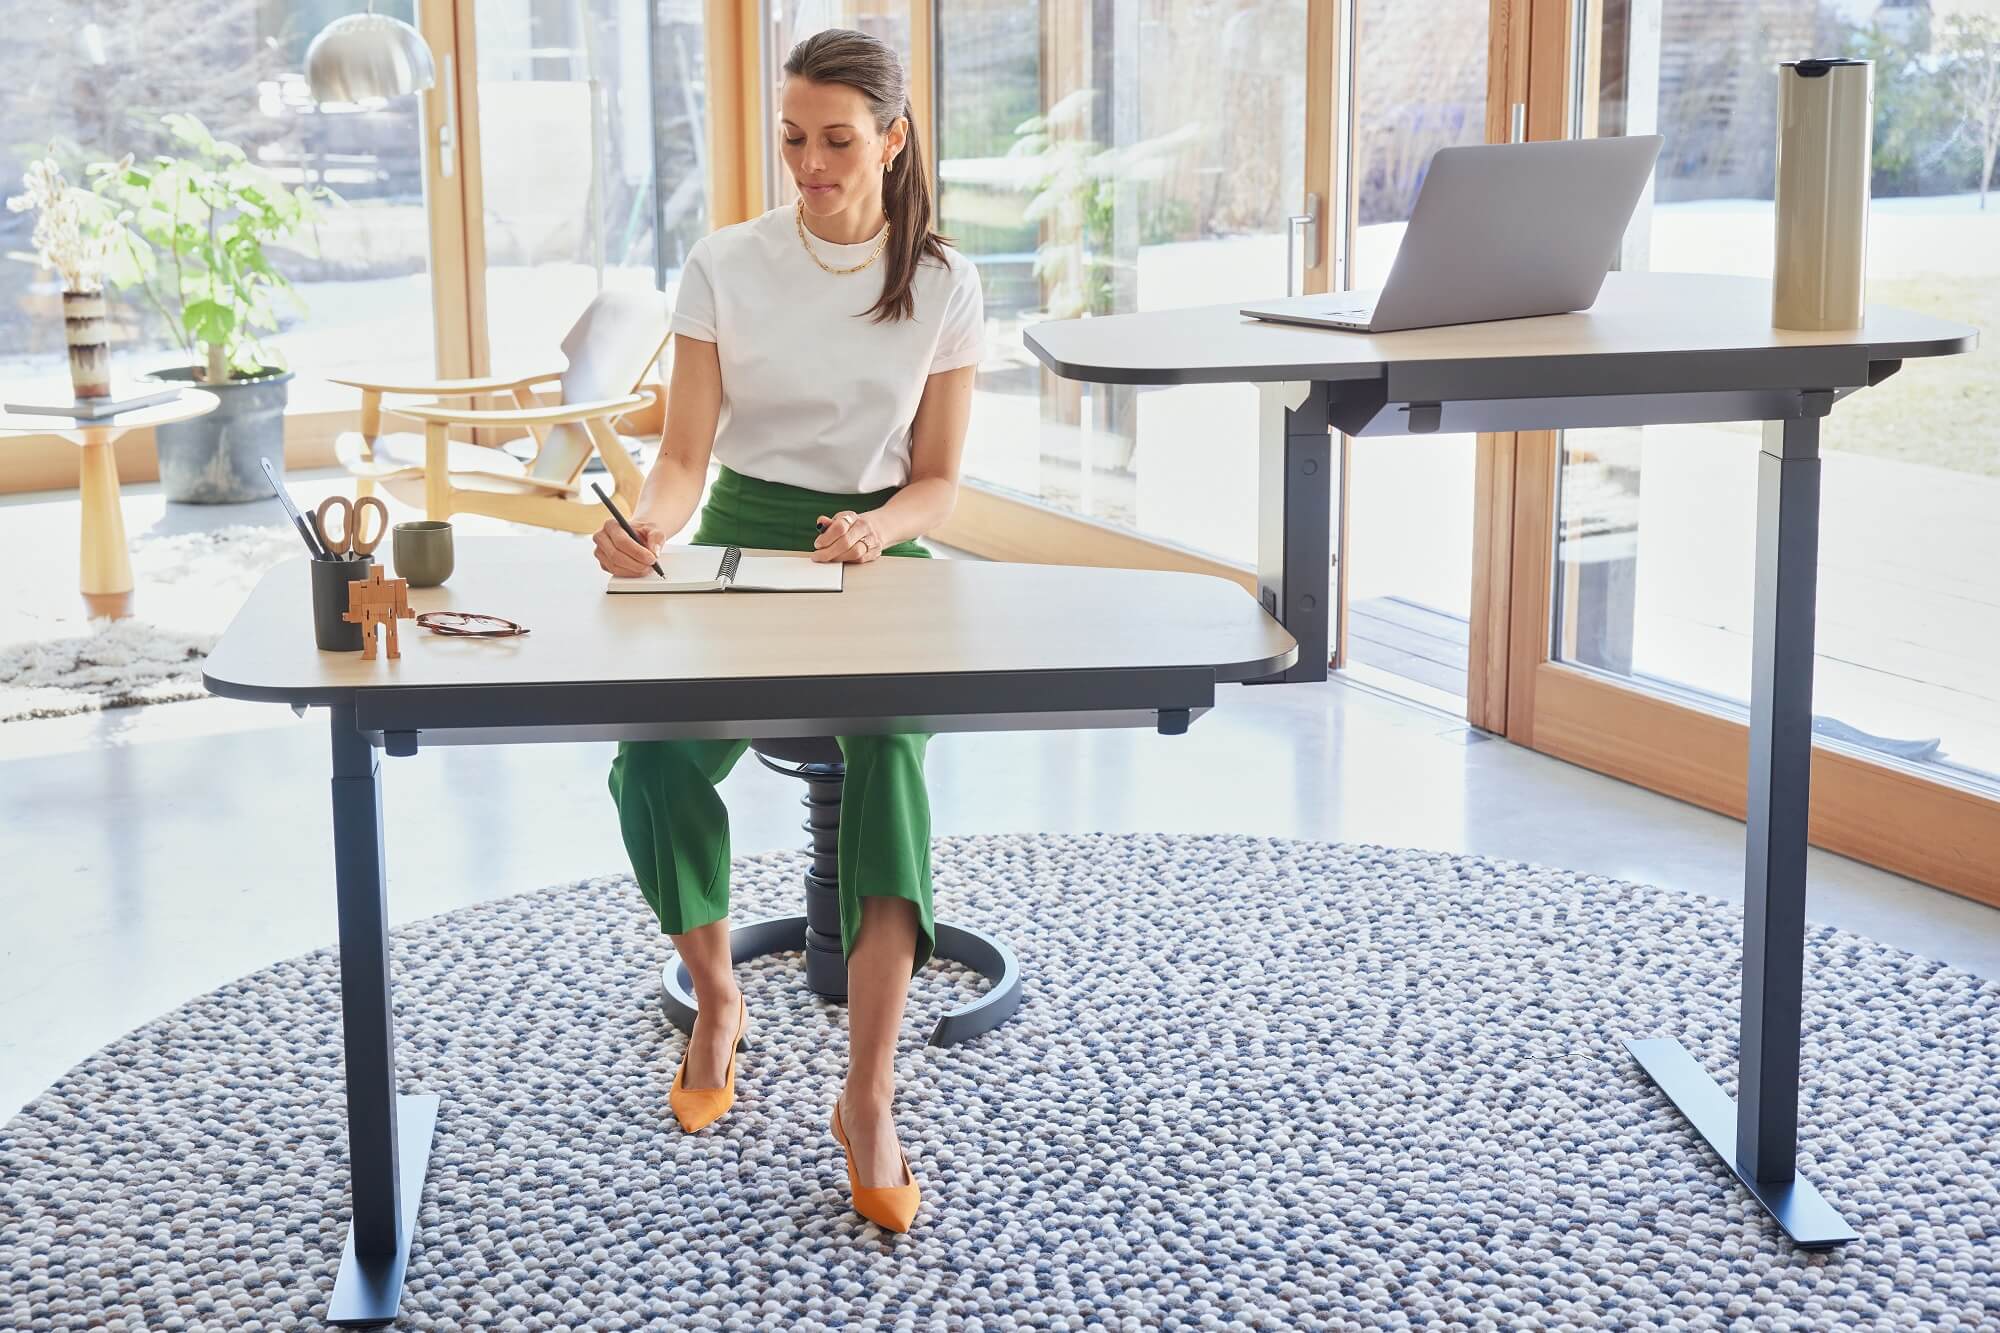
871,67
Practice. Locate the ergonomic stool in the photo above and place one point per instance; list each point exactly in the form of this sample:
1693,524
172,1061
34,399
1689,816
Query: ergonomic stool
819,762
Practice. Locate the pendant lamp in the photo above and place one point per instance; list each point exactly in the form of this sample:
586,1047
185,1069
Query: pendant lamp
362,56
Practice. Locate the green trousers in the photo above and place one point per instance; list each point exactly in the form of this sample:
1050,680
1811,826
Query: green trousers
675,826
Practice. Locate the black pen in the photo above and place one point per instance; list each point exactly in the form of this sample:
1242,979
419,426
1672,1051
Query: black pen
298,519
623,524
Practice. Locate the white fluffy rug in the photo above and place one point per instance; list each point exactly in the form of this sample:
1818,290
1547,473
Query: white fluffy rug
189,585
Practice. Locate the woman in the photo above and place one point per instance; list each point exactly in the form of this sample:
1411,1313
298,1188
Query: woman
825,354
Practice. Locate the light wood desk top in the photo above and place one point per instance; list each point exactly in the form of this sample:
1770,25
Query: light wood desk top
895,616
1636,314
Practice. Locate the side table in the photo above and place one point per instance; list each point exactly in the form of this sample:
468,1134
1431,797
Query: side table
105,564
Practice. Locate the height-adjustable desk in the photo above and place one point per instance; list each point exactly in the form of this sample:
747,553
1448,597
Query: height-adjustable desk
908,645
1656,348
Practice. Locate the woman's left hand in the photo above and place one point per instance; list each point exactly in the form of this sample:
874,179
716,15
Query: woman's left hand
847,536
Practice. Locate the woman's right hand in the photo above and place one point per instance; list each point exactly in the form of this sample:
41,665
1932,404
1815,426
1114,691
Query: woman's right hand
620,555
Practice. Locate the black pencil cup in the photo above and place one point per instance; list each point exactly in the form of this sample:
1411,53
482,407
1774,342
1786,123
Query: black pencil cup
329,588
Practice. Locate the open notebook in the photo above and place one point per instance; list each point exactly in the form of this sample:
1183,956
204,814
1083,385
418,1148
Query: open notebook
720,568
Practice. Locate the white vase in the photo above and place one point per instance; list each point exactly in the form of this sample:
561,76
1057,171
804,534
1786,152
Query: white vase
89,339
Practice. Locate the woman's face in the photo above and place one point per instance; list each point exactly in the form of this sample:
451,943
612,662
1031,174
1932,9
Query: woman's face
828,136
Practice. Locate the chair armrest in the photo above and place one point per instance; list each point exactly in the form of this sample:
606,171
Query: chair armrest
655,403
546,486
523,416
447,388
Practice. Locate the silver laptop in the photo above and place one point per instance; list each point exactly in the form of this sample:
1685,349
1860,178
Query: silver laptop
1499,231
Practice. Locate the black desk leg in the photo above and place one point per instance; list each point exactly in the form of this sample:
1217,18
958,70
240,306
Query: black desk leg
387,1184
1758,1135
1294,519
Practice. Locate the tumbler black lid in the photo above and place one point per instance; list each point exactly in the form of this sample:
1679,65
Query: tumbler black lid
1813,69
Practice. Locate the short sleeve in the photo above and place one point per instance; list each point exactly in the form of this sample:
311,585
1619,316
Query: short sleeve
694,304
962,337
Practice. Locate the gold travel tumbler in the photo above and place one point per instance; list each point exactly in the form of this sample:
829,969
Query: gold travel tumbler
1825,127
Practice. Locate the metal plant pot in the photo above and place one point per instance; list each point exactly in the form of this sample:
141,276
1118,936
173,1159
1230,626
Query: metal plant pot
215,458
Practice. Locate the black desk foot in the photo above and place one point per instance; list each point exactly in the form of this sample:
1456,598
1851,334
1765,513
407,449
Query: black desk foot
1799,1208
367,1291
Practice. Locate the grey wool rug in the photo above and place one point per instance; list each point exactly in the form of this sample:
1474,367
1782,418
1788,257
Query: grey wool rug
1255,1083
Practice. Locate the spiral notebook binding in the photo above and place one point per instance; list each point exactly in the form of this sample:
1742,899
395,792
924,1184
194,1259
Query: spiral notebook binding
731,557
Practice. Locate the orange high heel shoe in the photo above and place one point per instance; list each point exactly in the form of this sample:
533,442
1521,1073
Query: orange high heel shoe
699,1107
892,1207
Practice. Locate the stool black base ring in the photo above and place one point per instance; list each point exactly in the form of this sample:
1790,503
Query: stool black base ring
776,934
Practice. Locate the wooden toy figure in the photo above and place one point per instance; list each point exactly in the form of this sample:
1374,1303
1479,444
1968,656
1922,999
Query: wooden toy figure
376,601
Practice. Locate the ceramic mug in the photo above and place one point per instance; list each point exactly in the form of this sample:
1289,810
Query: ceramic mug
422,551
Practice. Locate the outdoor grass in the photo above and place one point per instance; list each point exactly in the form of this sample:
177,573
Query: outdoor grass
1941,411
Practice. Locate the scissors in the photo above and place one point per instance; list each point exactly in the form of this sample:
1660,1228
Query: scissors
350,545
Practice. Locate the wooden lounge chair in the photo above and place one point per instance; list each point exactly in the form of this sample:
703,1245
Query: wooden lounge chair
610,349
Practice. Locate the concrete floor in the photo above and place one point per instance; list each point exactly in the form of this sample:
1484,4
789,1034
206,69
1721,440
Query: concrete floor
149,855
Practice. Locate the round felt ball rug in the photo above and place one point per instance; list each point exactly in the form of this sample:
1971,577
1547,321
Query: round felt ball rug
1255,1083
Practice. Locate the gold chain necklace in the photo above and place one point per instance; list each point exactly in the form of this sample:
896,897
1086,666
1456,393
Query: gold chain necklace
799,216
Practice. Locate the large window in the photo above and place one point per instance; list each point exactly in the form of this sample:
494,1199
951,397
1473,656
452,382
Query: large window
1419,87
95,86
1655,553
1097,159
592,137
592,157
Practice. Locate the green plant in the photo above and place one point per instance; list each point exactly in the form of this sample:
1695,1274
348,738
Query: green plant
1917,146
73,234
1077,184
1168,221
195,244
1972,46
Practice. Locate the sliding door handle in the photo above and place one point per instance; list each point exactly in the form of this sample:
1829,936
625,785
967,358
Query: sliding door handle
1309,220
447,144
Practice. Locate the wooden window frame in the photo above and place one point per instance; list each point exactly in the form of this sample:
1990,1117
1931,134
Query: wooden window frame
1889,817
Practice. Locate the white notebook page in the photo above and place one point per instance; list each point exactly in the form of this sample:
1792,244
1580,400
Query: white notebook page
688,569
694,569
787,573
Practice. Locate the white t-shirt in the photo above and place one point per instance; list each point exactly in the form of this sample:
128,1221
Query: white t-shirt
814,392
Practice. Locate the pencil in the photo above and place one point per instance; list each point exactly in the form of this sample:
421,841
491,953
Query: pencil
623,524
